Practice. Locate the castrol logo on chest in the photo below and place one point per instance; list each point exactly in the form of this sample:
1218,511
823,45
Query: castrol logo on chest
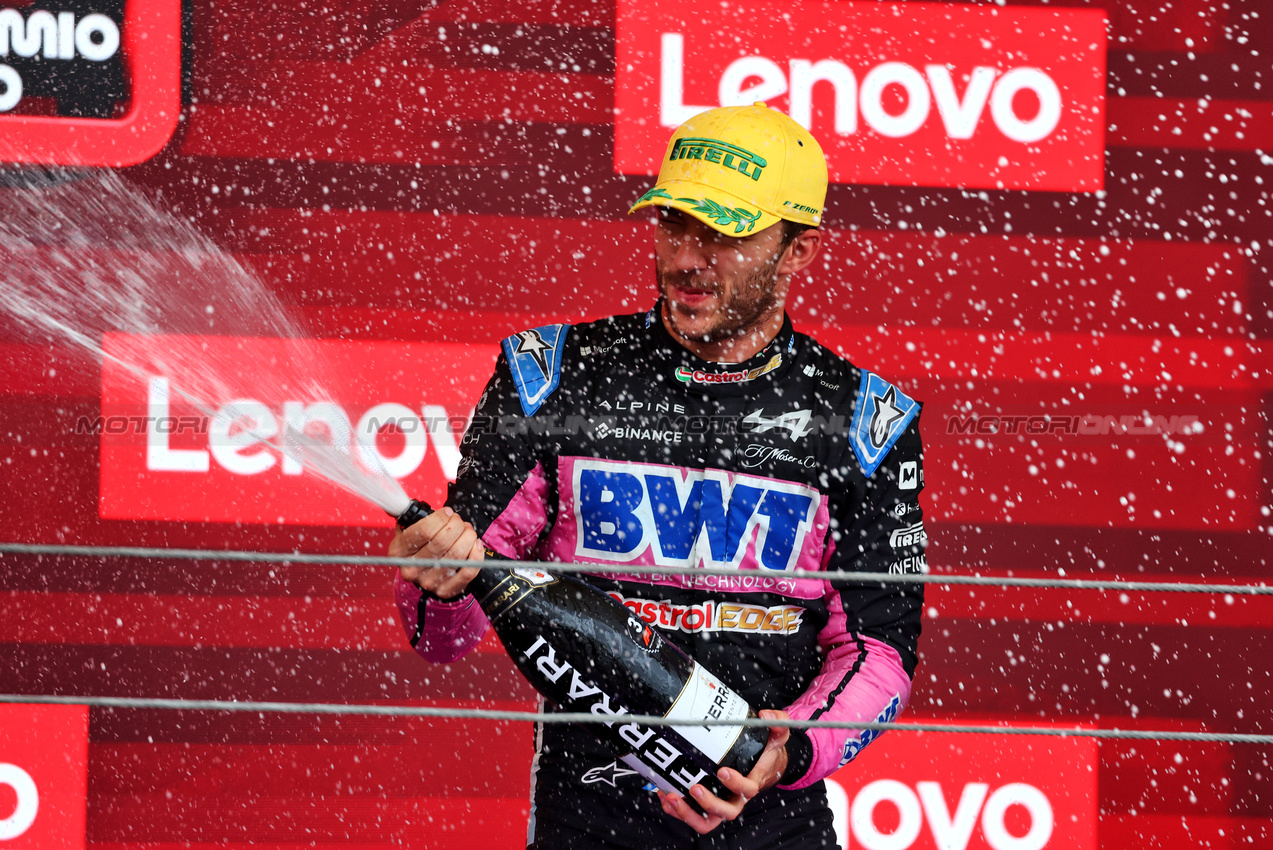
193,443
911,94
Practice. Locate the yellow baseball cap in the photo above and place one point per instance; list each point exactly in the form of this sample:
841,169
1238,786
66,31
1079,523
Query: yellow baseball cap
739,169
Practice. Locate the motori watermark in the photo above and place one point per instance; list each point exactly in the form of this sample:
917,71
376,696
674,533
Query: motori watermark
1075,424
141,424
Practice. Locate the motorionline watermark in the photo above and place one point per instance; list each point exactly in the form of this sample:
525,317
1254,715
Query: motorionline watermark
797,424
973,424
1075,424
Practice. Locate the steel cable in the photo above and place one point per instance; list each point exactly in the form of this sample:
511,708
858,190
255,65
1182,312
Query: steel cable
57,550
586,717
287,558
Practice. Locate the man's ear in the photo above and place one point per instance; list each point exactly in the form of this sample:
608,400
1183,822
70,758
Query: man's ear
801,252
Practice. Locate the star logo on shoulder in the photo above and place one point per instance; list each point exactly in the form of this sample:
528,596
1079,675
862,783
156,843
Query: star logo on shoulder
530,342
607,774
886,415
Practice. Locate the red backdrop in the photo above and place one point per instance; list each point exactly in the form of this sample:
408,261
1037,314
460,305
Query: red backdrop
443,172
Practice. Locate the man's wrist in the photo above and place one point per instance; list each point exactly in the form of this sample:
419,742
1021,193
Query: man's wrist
799,757
450,600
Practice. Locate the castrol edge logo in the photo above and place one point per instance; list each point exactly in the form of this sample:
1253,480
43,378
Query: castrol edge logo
713,615
914,94
163,459
967,791
41,44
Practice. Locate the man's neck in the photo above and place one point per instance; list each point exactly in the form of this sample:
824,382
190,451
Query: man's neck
735,349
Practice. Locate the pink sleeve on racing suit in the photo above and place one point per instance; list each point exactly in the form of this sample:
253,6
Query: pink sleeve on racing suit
862,679
516,530
451,629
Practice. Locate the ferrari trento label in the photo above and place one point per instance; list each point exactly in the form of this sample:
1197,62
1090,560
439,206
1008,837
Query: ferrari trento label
514,589
656,754
505,596
705,697
537,578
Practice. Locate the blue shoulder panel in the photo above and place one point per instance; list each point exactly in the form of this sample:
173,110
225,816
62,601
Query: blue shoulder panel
880,416
534,356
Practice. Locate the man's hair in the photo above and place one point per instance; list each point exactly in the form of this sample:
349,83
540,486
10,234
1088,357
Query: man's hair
791,230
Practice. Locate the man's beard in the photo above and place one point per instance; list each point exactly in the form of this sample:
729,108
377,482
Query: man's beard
753,301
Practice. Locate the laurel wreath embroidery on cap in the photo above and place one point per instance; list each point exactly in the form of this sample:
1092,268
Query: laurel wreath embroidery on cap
725,215
654,193
740,217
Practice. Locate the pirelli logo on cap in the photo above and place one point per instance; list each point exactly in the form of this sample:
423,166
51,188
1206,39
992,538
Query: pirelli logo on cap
723,153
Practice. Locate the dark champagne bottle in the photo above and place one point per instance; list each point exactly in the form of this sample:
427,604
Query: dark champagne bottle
586,652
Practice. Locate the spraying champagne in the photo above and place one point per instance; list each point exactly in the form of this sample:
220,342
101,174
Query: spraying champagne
586,652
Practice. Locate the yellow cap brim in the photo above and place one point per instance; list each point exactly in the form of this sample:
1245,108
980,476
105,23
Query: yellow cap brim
721,211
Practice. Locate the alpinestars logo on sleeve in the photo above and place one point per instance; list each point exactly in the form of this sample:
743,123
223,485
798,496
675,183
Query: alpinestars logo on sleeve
880,415
530,342
885,417
534,358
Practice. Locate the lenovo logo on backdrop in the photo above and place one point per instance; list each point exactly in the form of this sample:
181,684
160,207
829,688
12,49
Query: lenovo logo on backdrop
43,776
163,459
908,94
967,792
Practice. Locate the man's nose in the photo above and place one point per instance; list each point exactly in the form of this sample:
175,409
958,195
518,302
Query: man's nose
691,253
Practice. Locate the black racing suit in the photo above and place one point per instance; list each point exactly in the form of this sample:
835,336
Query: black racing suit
611,443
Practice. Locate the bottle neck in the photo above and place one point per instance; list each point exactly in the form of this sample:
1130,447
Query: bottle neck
486,579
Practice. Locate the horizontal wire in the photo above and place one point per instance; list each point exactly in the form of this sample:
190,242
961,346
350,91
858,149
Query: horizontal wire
583,717
586,717
293,558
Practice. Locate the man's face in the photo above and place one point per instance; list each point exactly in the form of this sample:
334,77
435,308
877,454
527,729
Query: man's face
717,287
